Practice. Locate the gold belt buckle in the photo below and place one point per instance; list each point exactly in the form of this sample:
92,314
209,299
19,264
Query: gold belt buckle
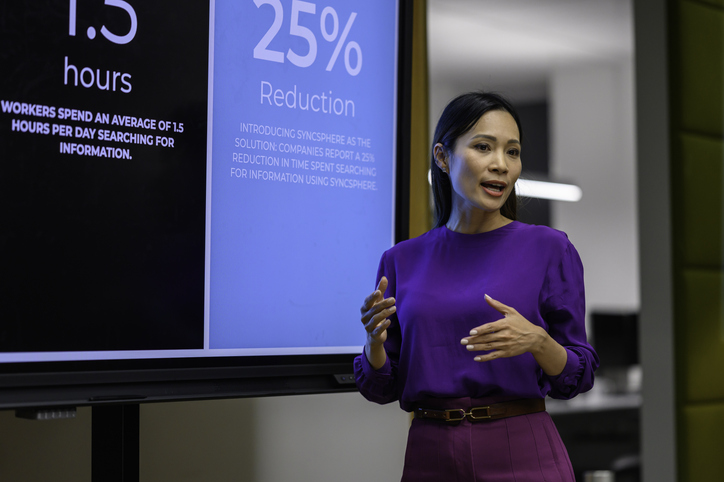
451,411
471,416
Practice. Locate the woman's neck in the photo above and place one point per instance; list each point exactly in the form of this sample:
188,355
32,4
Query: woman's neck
476,222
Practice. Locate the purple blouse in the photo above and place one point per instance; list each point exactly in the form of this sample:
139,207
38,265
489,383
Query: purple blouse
439,281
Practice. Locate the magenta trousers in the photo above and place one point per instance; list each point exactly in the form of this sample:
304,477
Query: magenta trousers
526,448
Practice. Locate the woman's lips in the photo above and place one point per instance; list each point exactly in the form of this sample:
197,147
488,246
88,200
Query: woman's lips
495,189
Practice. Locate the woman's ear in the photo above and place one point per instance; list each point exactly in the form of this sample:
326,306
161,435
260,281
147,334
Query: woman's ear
440,154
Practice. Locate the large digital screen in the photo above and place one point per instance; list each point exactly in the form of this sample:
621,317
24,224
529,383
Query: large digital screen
193,179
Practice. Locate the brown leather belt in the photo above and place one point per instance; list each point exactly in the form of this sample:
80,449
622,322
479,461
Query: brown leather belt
493,411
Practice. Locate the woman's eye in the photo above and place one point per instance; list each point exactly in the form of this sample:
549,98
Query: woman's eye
514,152
483,147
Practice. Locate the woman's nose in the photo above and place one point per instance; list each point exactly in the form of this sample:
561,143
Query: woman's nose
499,163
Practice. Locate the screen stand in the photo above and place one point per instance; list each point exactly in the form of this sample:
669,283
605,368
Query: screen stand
115,443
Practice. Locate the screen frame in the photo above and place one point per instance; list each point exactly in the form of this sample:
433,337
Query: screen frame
98,382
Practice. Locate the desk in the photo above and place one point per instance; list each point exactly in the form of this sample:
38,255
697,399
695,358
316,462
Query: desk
594,402
599,431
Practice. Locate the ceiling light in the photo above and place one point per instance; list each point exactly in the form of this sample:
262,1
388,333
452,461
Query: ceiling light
548,190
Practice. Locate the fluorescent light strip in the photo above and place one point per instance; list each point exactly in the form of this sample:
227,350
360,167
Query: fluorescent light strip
542,190
548,190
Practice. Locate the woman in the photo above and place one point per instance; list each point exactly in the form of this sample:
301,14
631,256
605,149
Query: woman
475,322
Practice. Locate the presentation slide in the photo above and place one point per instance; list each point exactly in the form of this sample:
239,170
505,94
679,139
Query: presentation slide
103,128
190,179
303,165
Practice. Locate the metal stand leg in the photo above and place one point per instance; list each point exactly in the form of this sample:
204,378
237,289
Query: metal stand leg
115,443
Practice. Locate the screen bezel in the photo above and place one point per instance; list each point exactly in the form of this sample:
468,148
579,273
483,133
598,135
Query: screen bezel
94,382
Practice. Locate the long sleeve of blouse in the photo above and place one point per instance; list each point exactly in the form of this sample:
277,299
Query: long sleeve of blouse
439,281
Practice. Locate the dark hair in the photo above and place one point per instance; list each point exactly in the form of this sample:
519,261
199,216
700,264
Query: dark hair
460,115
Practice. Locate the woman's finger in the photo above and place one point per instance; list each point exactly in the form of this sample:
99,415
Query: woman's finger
490,356
510,336
488,347
491,327
480,333
377,308
378,318
370,301
375,296
488,337
379,334
500,307
491,340
381,327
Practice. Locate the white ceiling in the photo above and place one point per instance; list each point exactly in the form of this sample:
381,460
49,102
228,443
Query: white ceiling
515,45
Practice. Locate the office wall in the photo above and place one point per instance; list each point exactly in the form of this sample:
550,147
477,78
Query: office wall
56,450
305,438
656,321
592,145
697,151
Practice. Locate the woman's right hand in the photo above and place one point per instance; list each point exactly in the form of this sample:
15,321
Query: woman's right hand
375,312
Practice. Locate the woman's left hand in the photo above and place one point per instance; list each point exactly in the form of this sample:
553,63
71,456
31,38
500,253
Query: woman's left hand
511,336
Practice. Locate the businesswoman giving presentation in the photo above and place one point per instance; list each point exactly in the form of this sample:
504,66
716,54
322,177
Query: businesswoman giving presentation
475,322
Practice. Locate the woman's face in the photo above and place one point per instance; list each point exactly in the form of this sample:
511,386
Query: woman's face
484,164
